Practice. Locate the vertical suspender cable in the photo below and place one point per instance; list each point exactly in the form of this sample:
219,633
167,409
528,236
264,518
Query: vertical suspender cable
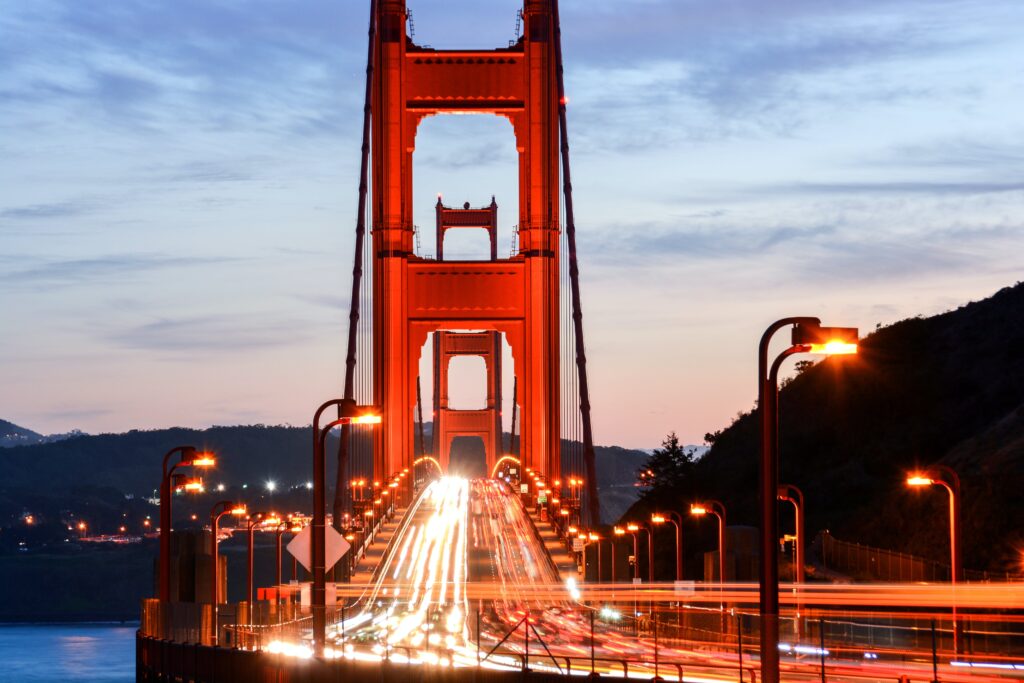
593,505
340,487
515,413
419,408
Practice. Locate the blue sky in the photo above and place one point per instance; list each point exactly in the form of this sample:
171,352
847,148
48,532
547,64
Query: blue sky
178,189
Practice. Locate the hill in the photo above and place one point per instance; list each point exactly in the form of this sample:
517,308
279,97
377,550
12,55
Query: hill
946,389
13,435
253,455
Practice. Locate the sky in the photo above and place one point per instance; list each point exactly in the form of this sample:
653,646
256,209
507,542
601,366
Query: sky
178,192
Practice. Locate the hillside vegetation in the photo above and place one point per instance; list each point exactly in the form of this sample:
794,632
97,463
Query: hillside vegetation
945,389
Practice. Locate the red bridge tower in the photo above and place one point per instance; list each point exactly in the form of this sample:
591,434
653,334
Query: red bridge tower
414,297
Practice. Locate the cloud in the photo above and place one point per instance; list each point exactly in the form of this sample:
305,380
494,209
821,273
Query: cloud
57,273
895,187
219,333
48,210
207,171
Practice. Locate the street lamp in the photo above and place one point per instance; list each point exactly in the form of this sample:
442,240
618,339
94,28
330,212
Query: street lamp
188,456
634,531
596,540
279,526
677,521
716,508
225,507
808,336
251,523
348,414
946,477
794,495
616,531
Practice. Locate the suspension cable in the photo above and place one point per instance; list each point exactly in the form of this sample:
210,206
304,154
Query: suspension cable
341,487
593,505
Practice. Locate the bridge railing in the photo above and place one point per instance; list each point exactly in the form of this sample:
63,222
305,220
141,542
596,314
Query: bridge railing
624,629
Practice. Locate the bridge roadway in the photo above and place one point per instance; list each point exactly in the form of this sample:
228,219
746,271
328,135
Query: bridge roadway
466,556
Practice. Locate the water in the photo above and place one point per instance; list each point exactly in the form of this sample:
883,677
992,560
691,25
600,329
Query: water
92,653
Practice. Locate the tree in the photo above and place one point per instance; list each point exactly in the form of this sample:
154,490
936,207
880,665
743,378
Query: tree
667,467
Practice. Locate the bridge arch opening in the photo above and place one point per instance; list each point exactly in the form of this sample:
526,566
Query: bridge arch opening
468,457
481,25
467,383
466,158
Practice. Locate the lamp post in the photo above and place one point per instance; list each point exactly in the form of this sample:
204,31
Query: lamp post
348,413
279,526
677,521
611,545
250,528
792,494
596,540
716,508
225,507
188,456
633,530
946,477
808,337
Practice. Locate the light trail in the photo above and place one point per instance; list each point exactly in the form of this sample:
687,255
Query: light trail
466,553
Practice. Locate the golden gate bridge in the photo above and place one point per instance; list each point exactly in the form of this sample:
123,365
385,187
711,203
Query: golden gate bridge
463,578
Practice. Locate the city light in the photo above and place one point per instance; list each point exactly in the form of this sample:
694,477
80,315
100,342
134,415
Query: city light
271,485
221,487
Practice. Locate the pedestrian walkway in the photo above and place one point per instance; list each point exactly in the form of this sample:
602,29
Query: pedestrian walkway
363,572
560,555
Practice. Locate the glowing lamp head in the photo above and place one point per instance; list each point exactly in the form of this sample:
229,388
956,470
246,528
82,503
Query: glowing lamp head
367,419
193,484
919,480
594,537
834,348
831,341
239,511
203,459
657,519
698,509
619,531
572,530
632,527
563,512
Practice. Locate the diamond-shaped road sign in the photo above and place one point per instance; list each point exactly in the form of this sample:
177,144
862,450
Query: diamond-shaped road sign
335,547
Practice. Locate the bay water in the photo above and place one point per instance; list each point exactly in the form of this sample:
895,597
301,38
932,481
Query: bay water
72,653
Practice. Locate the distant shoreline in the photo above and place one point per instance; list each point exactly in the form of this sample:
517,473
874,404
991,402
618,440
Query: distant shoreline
132,621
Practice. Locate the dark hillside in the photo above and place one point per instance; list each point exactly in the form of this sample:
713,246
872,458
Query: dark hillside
948,389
